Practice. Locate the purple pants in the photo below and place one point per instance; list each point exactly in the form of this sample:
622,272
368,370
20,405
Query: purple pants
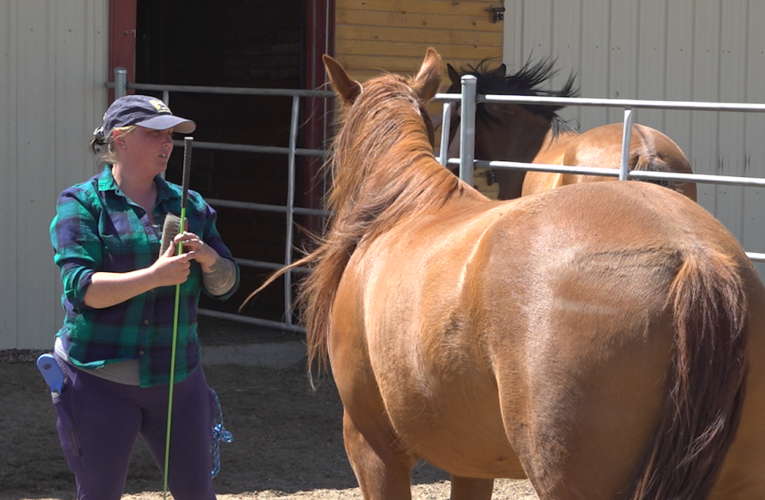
99,421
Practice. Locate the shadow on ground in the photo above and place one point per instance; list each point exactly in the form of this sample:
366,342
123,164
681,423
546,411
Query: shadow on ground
287,437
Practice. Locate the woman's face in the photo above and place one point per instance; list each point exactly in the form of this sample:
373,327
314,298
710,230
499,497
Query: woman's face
144,148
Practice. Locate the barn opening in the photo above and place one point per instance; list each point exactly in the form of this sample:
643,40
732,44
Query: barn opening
252,44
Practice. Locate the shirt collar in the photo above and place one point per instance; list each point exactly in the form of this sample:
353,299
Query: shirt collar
106,181
165,191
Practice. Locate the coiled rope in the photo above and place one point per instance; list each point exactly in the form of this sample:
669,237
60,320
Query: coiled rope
219,434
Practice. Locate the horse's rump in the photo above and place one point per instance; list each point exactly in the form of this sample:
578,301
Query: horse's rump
653,151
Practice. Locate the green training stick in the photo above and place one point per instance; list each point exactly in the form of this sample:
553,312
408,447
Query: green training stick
187,143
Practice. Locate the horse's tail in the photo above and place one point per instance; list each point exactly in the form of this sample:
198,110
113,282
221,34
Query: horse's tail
677,164
706,382
652,163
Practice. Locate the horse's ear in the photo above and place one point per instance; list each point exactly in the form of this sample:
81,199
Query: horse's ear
501,70
454,75
428,80
346,87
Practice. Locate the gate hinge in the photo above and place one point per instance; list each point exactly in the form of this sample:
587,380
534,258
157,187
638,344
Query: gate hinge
496,13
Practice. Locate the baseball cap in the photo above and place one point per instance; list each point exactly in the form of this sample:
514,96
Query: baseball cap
144,111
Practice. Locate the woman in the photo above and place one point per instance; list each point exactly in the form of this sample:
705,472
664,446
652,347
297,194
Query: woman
119,296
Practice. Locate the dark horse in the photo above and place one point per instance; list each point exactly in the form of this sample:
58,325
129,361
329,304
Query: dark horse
603,339
537,134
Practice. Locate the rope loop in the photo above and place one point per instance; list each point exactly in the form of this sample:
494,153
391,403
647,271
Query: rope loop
219,434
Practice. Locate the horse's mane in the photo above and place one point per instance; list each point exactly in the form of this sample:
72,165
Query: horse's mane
526,81
383,172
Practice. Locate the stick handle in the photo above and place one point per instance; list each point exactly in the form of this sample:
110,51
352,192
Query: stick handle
188,143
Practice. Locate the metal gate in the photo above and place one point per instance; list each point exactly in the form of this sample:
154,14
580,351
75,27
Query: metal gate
121,86
468,100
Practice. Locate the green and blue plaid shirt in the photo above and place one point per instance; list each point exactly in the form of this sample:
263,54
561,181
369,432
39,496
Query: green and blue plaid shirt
97,228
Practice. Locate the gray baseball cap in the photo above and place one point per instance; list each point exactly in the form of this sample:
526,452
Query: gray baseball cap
144,111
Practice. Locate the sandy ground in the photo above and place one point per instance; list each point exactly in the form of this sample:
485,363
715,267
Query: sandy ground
287,441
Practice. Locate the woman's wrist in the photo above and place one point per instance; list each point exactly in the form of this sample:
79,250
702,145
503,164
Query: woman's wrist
220,277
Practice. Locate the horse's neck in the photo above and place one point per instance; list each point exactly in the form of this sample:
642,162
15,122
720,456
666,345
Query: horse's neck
554,147
518,137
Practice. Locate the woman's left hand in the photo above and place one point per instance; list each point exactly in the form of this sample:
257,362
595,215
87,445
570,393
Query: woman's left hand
197,249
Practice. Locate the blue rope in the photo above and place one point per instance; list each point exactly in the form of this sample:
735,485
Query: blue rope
219,434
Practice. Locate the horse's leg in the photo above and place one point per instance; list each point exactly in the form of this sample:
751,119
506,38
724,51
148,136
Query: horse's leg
742,476
581,437
470,488
381,467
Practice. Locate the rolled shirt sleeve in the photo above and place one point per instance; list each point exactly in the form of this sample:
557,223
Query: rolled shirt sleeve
209,233
76,243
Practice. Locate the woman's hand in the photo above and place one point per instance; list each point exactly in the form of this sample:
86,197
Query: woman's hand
196,249
171,269
218,274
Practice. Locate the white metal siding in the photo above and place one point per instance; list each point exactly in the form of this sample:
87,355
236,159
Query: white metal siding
53,65
686,50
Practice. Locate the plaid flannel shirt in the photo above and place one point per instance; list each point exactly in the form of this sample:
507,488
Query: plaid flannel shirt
97,228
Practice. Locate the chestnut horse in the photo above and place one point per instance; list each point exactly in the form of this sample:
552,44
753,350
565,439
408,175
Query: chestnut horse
537,134
596,338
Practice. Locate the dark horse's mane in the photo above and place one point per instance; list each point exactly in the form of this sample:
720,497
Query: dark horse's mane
526,81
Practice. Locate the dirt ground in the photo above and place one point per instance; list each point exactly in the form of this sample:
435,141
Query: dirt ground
287,441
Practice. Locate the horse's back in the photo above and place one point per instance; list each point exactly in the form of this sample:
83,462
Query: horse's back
600,147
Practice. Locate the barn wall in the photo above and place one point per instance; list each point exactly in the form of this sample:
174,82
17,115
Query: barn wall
682,50
377,35
374,35
53,58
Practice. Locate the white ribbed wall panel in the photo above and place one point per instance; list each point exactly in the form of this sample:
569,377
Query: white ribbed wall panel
53,65
686,50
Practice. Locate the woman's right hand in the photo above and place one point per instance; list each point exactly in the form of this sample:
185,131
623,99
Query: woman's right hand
107,289
170,269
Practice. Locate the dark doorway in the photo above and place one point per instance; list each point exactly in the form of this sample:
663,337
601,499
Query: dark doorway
230,43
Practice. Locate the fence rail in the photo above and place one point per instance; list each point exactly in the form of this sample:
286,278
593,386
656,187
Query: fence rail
468,100
121,86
